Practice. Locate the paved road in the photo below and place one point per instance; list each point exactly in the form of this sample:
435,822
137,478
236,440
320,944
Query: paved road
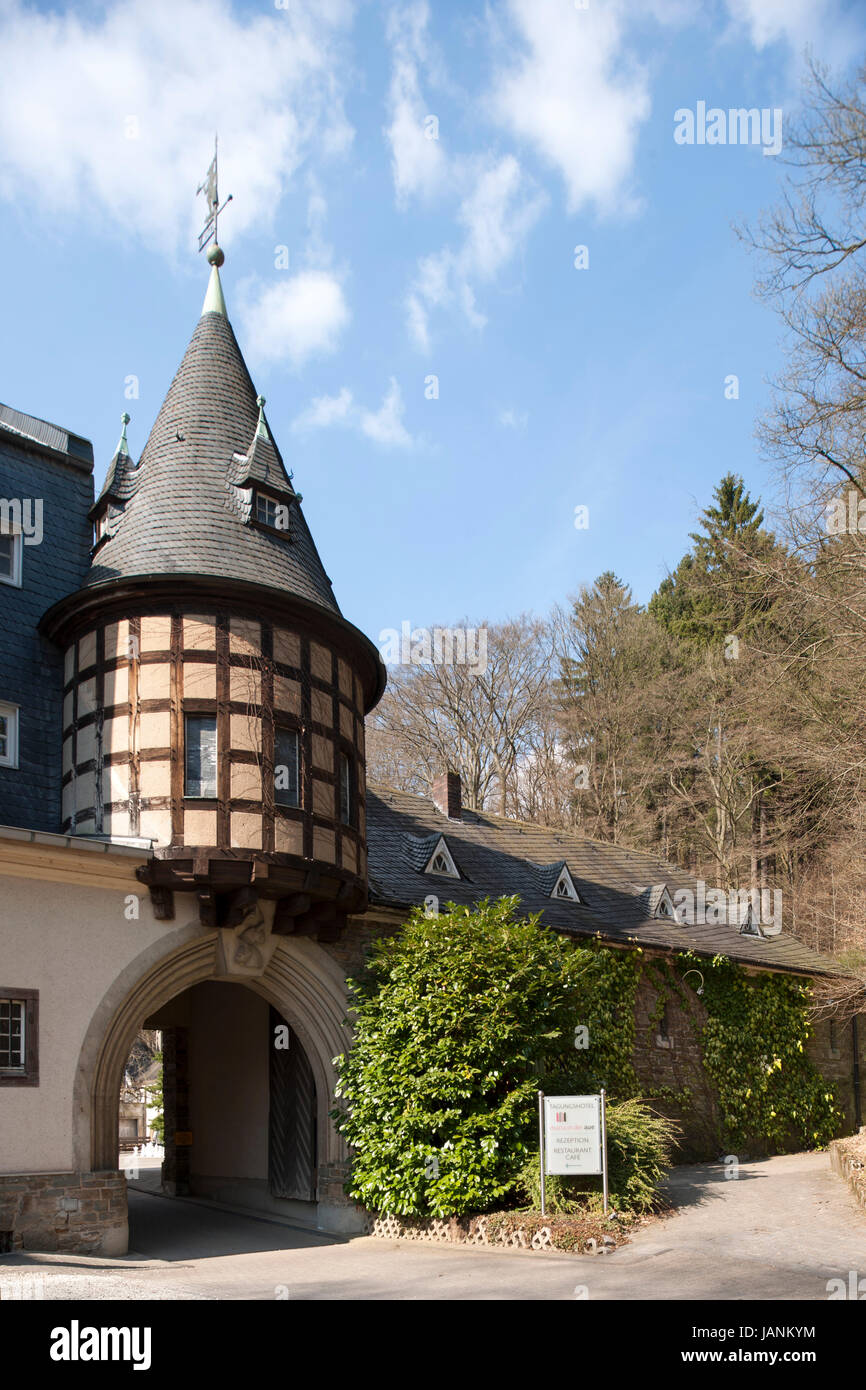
780,1231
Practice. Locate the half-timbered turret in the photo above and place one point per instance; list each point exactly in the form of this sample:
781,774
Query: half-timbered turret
214,694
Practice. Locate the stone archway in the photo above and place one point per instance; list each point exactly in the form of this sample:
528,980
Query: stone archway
302,982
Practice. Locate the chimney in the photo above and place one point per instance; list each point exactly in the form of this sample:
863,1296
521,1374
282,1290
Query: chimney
447,795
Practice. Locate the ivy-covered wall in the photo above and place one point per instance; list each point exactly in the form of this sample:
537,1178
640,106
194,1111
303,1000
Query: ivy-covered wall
740,1064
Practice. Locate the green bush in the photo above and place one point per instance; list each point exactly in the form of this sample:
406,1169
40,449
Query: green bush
640,1146
456,1020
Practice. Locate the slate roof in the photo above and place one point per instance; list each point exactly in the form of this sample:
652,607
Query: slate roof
498,857
182,509
55,437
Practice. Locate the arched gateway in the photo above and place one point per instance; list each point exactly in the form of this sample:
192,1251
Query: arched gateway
306,988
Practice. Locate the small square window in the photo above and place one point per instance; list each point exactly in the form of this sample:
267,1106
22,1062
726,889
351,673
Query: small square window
271,513
286,779
10,558
19,1055
201,756
346,807
8,735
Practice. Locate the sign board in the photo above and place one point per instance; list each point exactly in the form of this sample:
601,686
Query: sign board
573,1142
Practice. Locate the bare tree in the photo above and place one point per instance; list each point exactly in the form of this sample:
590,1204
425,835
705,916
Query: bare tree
482,724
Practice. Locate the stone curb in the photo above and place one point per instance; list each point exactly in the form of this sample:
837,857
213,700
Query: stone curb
848,1161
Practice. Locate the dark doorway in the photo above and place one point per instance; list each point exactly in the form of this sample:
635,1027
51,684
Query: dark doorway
291,1119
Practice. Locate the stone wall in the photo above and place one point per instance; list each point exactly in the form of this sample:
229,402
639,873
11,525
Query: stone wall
80,1212
670,1056
667,1054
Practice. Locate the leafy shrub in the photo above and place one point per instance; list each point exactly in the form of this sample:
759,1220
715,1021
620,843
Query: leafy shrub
640,1146
455,1021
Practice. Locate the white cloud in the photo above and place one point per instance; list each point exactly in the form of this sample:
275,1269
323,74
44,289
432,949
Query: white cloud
576,96
417,161
324,411
383,426
418,322
514,419
497,215
293,319
770,20
75,84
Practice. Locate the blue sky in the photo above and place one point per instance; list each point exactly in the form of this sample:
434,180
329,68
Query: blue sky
411,257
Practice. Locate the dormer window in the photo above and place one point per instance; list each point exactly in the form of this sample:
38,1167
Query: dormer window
441,862
271,513
564,888
749,927
665,906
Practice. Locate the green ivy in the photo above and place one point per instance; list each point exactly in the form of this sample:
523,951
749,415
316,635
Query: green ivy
753,1046
460,1018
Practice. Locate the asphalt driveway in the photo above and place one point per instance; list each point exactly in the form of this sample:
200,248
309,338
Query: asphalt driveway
781,1230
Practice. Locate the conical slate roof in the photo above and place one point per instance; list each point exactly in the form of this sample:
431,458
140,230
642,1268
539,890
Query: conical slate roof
186,506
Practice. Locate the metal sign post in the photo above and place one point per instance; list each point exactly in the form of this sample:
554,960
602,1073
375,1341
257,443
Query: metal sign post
541,1146
603,1151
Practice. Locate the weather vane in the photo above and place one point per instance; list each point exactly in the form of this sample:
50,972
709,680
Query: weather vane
211,192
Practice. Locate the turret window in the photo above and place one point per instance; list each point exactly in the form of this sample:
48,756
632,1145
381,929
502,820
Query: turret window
286,779
201,756
271,513
346,798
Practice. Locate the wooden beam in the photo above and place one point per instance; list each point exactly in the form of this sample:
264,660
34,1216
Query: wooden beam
287,910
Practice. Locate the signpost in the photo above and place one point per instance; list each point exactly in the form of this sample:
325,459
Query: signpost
572,1139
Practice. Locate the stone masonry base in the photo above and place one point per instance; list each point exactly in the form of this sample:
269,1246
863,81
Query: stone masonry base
82,1213
848,1159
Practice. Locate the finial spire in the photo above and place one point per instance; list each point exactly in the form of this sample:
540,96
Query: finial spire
214,302
123,445
210,188
261,427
